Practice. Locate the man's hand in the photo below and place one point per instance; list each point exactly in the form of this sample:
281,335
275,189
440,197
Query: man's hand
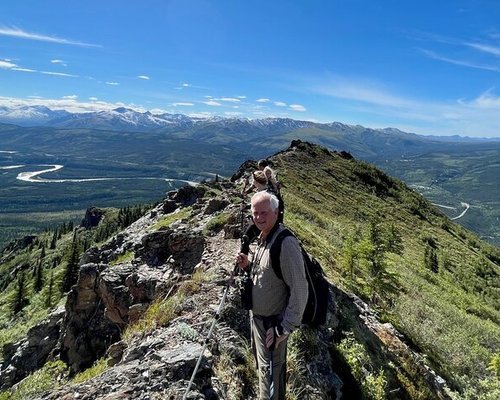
272,338
242,260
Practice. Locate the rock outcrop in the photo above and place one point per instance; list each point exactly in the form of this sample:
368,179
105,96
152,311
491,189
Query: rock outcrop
26,356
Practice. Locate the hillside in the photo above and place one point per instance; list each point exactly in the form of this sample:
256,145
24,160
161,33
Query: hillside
416,295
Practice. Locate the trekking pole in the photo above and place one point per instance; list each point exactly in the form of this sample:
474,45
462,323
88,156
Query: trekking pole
268,325
244,241
207,339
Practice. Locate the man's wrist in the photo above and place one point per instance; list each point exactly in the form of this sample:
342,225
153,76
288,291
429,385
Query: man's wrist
280,331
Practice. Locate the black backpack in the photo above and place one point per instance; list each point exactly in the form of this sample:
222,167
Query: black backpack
317,300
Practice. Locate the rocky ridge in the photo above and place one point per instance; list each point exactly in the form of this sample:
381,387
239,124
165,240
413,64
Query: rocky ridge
188,261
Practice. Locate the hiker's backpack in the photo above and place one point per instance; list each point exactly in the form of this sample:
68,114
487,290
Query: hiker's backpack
317,300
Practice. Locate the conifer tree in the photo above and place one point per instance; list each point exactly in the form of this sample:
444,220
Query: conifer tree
394,240
53,242
71,273
38,277
430,259
20,297
50,292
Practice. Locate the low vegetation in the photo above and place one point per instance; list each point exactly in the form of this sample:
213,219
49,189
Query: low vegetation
433,280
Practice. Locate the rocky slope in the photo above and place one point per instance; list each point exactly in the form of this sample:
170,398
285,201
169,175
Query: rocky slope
177,260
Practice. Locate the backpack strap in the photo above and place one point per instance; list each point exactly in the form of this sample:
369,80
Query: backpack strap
275,252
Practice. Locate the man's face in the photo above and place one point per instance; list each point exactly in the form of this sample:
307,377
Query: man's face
264,216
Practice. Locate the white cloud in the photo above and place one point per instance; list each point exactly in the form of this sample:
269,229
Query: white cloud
229,99
71,97
297,107
182,104
23,69
20,34
486,100
59,62
112,83
485,48
279,104
183,85
58,74
93,98
6,64
462,63
212,103
242,97
370,101
145,77
263,100
70,105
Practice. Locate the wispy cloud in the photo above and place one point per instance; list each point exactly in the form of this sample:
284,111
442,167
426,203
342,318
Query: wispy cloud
229,99
486,100
485,48
462,63
23,69
182,104
279,104
145,77
262,100
373,101
112,83
70,97
59,62
297,107
58,74
212,103
21,34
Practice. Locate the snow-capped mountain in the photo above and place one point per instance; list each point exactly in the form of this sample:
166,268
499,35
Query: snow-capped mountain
30,115
126,119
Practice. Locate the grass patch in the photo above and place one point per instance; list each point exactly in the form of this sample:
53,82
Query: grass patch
169,219
97,369
48,377
215,224
238,377
123,258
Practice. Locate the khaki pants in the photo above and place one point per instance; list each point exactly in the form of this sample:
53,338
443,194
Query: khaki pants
262,356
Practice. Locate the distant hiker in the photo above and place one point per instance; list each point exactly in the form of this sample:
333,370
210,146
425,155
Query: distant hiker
277,304
258,182
273,183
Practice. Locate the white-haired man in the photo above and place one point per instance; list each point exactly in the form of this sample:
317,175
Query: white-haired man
277,304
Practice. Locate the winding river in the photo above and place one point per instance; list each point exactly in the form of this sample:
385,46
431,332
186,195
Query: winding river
34,176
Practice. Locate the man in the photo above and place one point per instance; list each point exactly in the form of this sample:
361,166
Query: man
277,305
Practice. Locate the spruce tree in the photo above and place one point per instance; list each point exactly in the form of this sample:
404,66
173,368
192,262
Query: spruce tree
50,292
71,273
38,277
53,242
20,297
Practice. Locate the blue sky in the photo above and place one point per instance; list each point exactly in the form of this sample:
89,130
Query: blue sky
429,67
